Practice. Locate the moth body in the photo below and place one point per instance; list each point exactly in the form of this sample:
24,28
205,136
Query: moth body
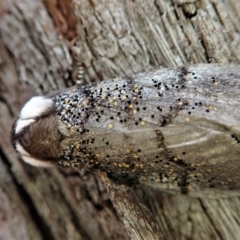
174,129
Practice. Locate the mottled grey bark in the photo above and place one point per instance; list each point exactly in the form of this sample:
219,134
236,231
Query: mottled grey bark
117,38
138,221
125,37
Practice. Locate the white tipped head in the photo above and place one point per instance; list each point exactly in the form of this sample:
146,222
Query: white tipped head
31,160
35,127
34,108
21,124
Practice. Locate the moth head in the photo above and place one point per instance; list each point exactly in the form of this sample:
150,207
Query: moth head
36,135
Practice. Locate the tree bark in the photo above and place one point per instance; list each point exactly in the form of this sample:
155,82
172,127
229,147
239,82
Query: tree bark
116,38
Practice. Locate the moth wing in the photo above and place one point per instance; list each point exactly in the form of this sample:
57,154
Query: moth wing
125,143
212,152
197,144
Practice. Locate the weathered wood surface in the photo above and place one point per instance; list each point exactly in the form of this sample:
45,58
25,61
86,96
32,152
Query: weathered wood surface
117,38
139,222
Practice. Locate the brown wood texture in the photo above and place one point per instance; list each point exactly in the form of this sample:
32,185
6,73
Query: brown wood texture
116,38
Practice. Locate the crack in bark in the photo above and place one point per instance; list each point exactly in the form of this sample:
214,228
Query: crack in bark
43,228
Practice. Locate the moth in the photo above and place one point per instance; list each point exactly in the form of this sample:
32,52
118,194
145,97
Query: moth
176,130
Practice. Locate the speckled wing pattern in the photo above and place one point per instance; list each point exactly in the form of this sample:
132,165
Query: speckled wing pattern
173,129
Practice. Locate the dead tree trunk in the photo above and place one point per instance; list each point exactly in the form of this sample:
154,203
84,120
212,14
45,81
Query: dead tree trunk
116,38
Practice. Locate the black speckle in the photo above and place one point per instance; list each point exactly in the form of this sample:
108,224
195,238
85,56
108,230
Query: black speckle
235,138
164,122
